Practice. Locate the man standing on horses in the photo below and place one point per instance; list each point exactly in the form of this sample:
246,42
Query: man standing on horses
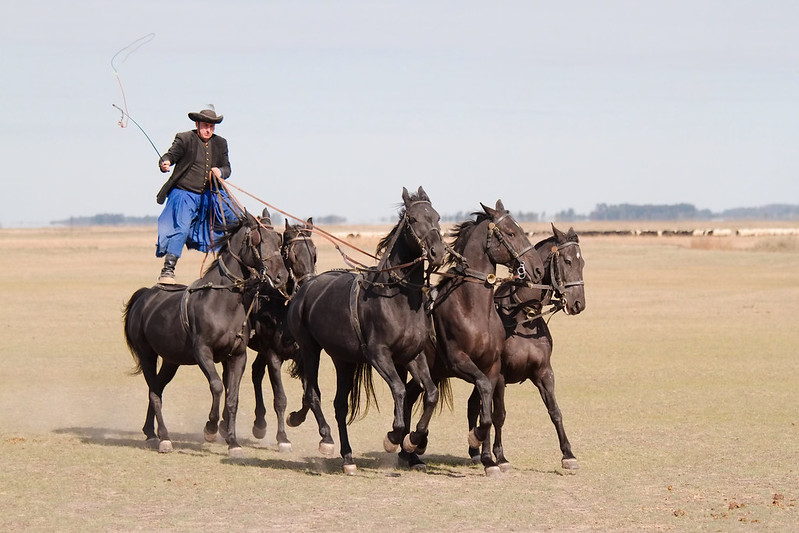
195,203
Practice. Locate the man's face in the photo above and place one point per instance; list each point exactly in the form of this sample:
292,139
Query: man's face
205,130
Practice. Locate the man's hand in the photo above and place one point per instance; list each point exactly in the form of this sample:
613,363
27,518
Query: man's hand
217,172
165,164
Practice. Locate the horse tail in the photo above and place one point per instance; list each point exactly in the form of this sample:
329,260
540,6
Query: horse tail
296,368
444,397
129,324
362,383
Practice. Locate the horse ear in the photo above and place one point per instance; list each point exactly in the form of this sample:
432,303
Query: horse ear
266,218
309,222
406,198
287,222
572,235
559,235
500,208
488,211
422,194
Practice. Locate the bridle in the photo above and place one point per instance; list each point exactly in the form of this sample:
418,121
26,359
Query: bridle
493,229
557,284
554,290
288,250
520,273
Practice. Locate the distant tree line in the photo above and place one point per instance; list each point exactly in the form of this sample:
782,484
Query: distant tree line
689,212
600,212
106,219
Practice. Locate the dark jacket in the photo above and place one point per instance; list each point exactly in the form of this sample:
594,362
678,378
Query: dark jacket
183,153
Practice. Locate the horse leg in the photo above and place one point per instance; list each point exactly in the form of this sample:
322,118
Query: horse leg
472,413
345,377
421,372
148,362
412,391
498,418
279,401
205,360
233,372
258,373
312,398
382,362
545,381
465,369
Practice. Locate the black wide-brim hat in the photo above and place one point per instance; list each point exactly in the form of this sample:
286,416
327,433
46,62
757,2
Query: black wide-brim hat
207,115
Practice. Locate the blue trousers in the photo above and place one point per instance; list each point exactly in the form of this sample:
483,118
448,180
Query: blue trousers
194,220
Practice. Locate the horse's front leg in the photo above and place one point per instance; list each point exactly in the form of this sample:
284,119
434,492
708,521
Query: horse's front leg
258,373
205,360
545,381
345,381
233,372
472,414
498,418
274,366
413,389
421,372
382,362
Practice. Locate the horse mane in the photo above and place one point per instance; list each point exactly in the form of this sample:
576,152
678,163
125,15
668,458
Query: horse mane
385,241
224,242
462,232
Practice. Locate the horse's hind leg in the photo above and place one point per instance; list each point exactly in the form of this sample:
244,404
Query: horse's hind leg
156,382
312,397
258,373
545,381
274,365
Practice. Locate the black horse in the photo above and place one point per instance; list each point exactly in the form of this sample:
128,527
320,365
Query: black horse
374,318
468,331
528,347
203,324
271,339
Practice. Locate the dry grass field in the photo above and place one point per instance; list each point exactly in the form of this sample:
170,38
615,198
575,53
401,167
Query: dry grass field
678,385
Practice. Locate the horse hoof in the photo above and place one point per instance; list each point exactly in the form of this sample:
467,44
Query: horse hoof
389,446
259,433
165,446
570,465
284,447
327,449
407,445
420,467
505,467
350,470
208,436
293,420
475,459
472,438
235,453
152,443
493,471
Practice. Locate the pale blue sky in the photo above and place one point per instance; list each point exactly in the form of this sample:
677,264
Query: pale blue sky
331,107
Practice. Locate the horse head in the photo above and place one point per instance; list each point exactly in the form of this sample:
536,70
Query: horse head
565,269
423,227
258,246
299,250
507,244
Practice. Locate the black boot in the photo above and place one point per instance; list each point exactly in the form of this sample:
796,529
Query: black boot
168,272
